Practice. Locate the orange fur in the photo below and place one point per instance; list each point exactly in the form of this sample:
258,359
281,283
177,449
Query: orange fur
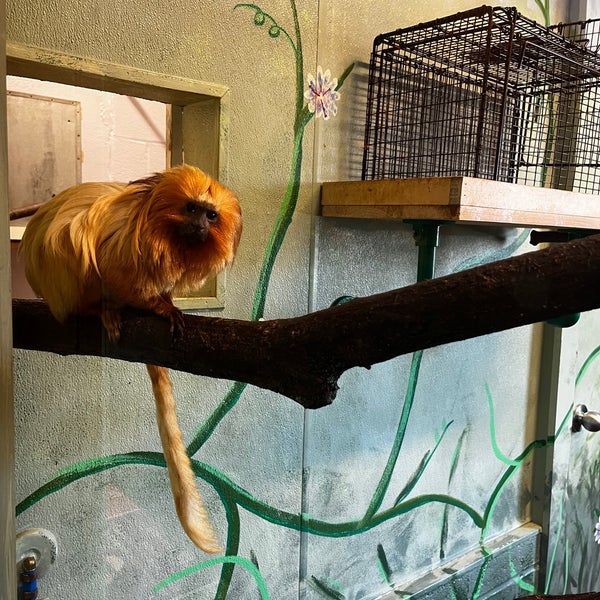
190,507
97,247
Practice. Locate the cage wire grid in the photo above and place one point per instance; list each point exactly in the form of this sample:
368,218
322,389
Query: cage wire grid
486,93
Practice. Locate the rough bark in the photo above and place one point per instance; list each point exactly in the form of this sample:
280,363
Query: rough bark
303,357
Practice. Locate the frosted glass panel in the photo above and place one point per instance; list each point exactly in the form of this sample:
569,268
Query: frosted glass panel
573,558
423,458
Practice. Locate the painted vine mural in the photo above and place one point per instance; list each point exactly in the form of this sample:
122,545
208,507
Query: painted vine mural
316,97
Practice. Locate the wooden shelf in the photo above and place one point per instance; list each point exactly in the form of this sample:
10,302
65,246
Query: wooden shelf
463,200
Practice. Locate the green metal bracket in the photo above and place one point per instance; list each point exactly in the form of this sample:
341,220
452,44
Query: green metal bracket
427,238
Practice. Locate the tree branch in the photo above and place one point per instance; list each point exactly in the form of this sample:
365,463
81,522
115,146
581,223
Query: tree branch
303,357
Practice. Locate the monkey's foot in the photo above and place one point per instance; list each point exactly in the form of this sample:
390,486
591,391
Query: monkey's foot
177,323
111,319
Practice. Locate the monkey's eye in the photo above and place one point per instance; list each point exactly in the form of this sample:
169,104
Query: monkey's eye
212,215
191,207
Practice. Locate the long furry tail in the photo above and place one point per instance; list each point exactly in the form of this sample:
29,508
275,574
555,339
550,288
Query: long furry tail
188,502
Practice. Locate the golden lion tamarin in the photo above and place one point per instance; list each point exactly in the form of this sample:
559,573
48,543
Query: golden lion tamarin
97,247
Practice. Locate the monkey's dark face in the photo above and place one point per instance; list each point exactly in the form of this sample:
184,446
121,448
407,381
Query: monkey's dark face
198,218
189,217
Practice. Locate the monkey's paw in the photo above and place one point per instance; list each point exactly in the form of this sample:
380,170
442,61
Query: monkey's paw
111,319
177,323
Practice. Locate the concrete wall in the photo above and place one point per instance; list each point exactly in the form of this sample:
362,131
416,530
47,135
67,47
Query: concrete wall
116,528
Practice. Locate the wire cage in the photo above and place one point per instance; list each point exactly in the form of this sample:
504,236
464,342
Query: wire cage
486,93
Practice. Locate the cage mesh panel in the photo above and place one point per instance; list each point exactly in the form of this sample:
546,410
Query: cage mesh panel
486,93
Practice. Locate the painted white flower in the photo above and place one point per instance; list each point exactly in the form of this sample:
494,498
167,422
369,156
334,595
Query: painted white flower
321,94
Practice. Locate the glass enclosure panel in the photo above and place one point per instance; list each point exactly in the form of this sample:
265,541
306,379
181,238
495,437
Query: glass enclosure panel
91,435
424,458
573,560
418,479
90,471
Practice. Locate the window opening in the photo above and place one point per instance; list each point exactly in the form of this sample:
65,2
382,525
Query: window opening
106,122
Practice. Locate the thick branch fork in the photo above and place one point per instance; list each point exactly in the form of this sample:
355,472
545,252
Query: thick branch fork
303,357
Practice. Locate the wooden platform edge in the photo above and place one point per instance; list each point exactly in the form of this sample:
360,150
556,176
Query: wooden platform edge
463,200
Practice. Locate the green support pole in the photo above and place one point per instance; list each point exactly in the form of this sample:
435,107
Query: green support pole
427,237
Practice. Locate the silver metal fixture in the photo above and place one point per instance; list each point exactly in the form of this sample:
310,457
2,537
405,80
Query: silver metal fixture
588,419
39,544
